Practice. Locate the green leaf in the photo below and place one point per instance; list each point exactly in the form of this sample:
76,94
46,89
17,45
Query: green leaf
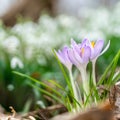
56,84
116,78
36,81
47,93
110,69
113,68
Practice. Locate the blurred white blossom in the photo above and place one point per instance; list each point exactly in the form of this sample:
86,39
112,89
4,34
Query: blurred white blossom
11,44
31,40
16,62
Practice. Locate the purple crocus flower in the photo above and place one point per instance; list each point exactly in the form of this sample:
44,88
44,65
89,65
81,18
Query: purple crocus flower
97,48
79,54
63,57
96,51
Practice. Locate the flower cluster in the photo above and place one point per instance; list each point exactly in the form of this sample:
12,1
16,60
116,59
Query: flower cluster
80,55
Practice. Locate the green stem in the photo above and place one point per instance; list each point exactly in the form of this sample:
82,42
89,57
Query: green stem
76,96
94,76
93,72
85,81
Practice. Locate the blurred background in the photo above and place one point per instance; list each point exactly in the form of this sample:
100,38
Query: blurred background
31,29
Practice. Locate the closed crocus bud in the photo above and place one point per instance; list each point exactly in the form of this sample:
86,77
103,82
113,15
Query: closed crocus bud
63,57
65,60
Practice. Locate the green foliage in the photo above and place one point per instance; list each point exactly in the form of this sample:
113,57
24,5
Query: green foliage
66,97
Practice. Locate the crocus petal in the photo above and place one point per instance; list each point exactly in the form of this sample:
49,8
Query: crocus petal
63,57
85,42
105,49
65,53
76,51
72,57
77,55
75,46
98,48
86,54
60,56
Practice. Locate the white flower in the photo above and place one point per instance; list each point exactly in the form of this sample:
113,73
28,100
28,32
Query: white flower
11,44
16,62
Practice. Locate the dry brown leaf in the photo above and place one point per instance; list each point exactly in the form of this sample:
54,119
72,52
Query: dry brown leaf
114,98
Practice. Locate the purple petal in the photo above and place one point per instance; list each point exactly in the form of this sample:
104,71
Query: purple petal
75,46
72,57
65,53
63,57
60,56
76,51
98,48
86,54
77,55
85,42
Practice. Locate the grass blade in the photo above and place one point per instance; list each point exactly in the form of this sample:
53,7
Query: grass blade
36,81
108,69
47,93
